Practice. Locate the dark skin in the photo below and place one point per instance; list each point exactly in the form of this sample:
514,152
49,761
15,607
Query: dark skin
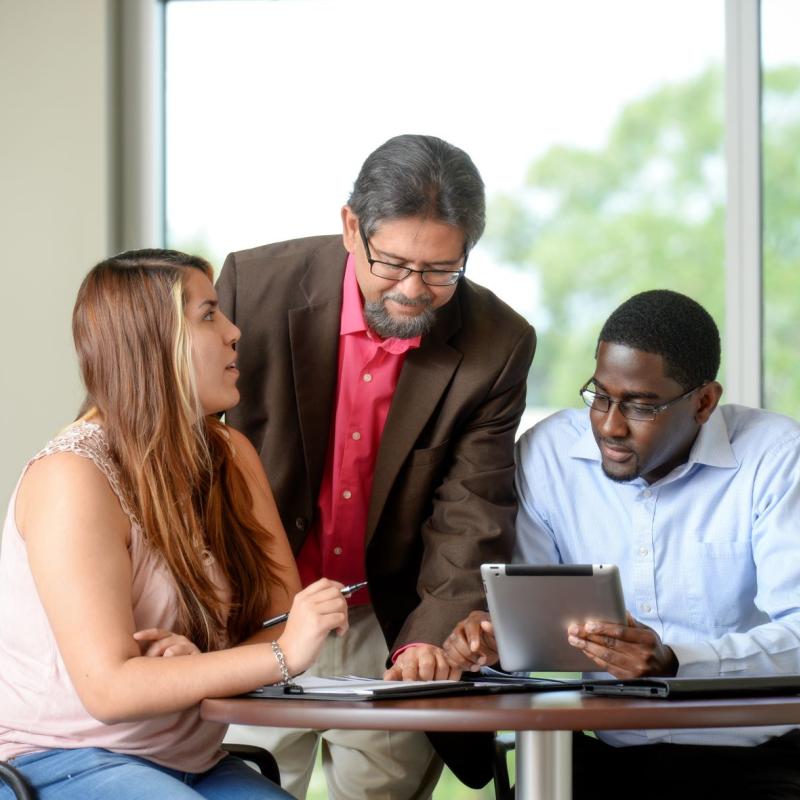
628,449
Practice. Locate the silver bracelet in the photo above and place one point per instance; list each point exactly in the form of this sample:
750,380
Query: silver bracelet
286,678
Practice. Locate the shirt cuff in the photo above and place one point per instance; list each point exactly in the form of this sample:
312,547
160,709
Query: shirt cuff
402,649
696,660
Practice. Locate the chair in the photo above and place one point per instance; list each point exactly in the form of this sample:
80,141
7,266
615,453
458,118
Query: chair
261,758
18,784
503,743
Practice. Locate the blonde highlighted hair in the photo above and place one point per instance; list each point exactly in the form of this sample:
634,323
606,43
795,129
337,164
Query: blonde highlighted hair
177,466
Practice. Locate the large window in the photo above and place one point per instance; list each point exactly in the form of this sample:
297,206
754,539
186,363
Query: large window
780,21
597,127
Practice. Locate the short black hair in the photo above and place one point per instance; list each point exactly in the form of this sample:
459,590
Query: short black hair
673,326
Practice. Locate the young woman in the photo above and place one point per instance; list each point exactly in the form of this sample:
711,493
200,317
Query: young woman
141,550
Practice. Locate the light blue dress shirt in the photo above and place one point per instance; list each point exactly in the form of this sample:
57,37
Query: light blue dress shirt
709,555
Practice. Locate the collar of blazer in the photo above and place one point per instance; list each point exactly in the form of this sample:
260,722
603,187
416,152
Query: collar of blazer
426,374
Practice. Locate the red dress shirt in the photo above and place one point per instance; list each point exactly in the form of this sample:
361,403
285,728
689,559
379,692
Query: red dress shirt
369,368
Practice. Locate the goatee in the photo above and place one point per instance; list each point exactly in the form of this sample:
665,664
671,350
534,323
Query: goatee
389,327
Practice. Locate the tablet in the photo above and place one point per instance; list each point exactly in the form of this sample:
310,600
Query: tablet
533,605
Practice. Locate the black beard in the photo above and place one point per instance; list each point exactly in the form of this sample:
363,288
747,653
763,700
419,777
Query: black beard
620,478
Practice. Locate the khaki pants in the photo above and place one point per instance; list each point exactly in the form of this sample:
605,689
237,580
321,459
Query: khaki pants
376,765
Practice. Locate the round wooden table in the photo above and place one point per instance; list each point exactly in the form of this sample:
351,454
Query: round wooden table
543,722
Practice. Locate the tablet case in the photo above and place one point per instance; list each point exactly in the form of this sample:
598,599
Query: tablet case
688,688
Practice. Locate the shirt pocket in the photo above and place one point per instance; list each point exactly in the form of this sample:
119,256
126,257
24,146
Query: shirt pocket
722,584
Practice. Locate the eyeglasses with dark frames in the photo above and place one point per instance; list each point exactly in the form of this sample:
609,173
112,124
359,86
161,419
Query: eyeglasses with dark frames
398,272
641,412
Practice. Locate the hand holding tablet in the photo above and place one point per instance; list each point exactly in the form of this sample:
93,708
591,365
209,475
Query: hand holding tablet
630,650
533,607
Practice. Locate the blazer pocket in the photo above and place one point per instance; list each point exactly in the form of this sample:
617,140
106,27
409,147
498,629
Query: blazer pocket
429,455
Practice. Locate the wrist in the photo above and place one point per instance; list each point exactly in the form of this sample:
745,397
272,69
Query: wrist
400,650
283,667
290,656
672,662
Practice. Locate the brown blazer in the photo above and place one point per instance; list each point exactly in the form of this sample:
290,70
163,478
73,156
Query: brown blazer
442,499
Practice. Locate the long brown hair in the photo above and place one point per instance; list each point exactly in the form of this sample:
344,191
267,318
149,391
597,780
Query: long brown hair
177,466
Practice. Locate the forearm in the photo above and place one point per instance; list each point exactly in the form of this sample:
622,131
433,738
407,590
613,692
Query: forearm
470,531
143,687
473,510
767,649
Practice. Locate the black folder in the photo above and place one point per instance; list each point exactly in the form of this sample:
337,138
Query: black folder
350,688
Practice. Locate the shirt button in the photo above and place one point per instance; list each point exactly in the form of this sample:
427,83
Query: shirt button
646,493
646,608
643,551
337,551
356,435
366,377
347,494
300,524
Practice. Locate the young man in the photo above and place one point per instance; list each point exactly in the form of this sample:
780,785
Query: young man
699,506
383,389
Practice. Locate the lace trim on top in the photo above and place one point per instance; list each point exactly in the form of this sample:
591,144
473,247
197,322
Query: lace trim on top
87,439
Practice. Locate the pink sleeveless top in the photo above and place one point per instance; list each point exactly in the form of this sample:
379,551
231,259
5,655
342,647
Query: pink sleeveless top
39,708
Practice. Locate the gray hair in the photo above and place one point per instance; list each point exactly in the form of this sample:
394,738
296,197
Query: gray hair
420,176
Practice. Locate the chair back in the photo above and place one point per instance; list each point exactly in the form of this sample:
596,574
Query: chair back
18,784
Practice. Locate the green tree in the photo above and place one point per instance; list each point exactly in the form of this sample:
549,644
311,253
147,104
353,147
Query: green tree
645,211
781,138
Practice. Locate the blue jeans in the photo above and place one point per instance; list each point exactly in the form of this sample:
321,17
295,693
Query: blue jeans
92,773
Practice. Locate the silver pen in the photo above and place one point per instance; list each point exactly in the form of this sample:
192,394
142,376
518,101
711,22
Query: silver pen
346,591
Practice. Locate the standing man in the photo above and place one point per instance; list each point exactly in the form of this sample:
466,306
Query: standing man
383,390
699,506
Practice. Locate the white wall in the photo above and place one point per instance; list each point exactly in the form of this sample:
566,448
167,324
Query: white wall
55,209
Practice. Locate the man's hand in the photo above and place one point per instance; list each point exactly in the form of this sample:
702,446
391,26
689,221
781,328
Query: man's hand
421,662
626,651
471,645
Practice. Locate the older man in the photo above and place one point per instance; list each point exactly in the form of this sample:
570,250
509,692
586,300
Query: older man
699,505
383,389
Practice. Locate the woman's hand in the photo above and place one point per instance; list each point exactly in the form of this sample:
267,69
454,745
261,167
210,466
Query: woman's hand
164,643
316,611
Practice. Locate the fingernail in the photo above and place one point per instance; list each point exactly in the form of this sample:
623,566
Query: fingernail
573,629
575,641
591,626
474,668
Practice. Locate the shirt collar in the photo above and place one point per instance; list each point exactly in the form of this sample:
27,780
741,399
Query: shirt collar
586,446
712,447
352,318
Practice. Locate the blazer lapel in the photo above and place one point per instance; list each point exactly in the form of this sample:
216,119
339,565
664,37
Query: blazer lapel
423,380
314,341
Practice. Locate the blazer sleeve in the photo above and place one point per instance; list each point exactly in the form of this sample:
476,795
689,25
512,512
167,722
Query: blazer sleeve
226,288
474,507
